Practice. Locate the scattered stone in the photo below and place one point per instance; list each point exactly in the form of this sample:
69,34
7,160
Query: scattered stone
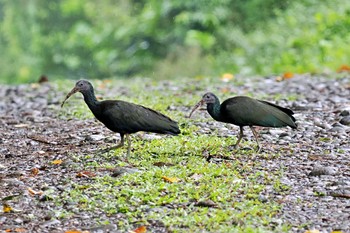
344,113
206,203
320,170
94,137
121,170
345,120
263,198
18,220
50,223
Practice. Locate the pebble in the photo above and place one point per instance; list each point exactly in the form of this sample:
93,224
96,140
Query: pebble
337,129
51,223
18,220
320,170
121,170
344,113
345,120
95,137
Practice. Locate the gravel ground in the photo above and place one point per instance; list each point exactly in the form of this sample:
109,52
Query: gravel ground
315,157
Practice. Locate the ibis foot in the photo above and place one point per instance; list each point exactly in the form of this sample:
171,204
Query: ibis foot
114,147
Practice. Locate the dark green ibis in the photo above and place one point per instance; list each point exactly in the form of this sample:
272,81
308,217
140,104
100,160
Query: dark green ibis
245,111
123,117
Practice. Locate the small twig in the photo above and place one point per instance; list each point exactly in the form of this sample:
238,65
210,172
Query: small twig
39,139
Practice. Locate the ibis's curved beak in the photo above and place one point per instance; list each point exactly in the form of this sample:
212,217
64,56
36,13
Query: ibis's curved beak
74,90
200,103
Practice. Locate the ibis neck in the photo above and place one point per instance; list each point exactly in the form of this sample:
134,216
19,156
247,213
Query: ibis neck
214,110
90,99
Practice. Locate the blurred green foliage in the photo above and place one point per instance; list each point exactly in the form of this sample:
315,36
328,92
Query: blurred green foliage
166,39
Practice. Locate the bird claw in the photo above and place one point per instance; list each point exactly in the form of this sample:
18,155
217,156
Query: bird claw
110,148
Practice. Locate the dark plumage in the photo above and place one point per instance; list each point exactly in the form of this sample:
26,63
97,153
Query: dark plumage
123,117
245,111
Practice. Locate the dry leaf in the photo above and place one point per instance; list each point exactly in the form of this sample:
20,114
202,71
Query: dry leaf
312,231
225,90
57,162
343,68
86,174
162,164
34,171
226,77
141,229
20,230
171,179
33,192
7,208
287,75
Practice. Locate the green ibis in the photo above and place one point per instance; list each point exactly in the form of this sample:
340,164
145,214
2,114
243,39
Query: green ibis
245,111
123,117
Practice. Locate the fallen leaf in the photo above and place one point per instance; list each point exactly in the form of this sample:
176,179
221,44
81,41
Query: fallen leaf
33,192
226,77
43,79
343,68
86,174
286,75
20,230
6,208
312,231
224,90
171,179
162,164
141,229
336,232
34,171
57,162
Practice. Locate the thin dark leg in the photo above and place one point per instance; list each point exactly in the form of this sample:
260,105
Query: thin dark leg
117,146
129,144
121,142
240,136
256,137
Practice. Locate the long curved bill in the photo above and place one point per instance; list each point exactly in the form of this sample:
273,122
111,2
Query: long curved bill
200,103
72,92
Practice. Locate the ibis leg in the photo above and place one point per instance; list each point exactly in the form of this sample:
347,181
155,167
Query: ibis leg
115,147
121,142
240,136
129,144
256,137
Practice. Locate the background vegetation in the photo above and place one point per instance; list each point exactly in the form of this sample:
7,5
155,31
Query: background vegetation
166,39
